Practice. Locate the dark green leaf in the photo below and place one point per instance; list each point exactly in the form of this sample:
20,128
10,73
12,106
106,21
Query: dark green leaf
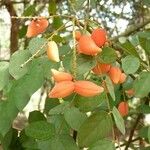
50,103
74,117
118,120
59,109
52,7
57,22
61,142
84,64
61,126
40,130
108,55
145,109
29,11
104,144
36,116
96,127
89,103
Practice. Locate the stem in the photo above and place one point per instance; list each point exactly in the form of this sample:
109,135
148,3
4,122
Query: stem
74,65
108,104
37,17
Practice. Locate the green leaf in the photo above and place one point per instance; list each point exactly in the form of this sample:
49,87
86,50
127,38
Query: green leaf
61,126
110,87
144,42
130,64
145,109
22,31
24,88
59,109
118,120
84,64
96,127
16,60
50,103
40,130
64,49
141,85
143,132
29,11
61,142
129,48
77,4
149,133
52,7
104,144
89,103
57,22
4,74
108,55
74,117
36,44
36,116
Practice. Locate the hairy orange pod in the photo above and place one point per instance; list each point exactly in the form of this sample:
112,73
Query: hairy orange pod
62,89
36,27
87,88
122,78
77,35
87,46
61,76
99,36
101,68
114,74
123,108
52,51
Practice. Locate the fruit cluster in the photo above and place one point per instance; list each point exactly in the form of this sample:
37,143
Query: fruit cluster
86,44
65,86
90,45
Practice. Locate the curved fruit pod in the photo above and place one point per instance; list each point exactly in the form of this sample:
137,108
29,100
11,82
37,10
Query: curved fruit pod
77,35
52,51
101,68
114,74
87,46
61,76
36,27
122,78
87,88
123,108
62,89
99,36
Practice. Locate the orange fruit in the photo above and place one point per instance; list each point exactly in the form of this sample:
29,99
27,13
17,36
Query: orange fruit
62,89
52,51
36,27
123,108
114,74
87,88
122,78
77,35
61,76
130,92
101,68
87,46
99,36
